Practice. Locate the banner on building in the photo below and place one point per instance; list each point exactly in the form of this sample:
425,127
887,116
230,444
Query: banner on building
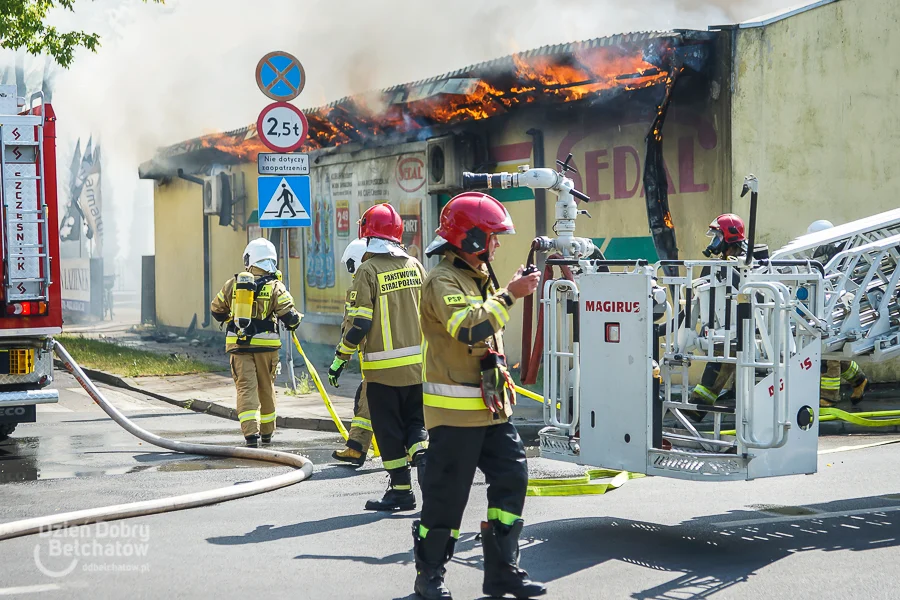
90,199
75,275
341,193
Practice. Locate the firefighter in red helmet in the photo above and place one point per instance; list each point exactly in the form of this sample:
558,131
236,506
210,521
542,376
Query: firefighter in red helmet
727,241
383,304
468,397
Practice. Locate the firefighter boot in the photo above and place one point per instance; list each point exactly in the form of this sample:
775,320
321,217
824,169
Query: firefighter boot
350,456
502,574
265,439
432,552
418,460
252,441
394,499
859,392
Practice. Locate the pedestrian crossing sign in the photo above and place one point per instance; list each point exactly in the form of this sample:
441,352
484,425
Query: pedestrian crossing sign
284,201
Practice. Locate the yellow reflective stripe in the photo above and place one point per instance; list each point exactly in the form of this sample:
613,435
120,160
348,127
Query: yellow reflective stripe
496,308
507,518
851,371
361,423
456,320
424,356
345,349
394,464
254,341
285,298
395,353
248,415
390,363
453,403
705,393
221,297
268,418
362,312
403,487
386,340
830,383
418,446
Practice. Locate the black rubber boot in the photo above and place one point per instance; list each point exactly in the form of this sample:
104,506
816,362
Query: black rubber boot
432,553
393,500
252,441
502,574
266,439
419,460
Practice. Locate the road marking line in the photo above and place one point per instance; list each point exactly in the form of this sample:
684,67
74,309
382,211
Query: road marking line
30,589
860,447
821,515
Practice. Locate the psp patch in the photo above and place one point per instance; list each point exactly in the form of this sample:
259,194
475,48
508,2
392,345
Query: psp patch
401,279
352,296
454,300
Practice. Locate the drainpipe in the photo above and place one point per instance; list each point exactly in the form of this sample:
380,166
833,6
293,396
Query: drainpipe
540,195
207,318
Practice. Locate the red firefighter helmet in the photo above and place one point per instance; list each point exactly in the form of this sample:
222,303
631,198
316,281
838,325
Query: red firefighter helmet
381,221
730,226
468,221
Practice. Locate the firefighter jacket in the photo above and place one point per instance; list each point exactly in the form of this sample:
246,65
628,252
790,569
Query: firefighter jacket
272,302
384,305
462,316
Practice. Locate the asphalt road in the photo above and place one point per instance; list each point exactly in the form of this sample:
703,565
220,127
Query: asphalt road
831,535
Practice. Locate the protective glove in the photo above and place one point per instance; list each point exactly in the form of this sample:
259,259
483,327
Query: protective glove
497,385
334,372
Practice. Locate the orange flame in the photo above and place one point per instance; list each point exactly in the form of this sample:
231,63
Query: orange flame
553,78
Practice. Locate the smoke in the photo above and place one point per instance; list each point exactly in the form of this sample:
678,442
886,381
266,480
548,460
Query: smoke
165,73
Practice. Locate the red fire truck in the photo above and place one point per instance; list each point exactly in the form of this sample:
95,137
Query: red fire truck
30,299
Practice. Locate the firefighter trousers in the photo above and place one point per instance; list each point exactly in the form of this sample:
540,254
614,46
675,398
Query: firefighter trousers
398,424
254,378
715,378
361,426
836,371
453,455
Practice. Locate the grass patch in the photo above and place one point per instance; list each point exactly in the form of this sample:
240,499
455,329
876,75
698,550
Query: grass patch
130,362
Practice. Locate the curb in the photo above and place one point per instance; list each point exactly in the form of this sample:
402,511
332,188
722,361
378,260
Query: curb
209,408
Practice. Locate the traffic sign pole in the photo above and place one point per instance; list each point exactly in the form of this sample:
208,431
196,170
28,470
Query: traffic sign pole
286,277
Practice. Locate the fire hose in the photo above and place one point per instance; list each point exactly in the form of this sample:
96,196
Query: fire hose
303,470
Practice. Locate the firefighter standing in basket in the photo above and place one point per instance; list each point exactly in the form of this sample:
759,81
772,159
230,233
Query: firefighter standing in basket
835,371
468,397
360,437
252,303
384,307
728,242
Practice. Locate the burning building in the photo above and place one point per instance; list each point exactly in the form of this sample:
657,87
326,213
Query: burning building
662,127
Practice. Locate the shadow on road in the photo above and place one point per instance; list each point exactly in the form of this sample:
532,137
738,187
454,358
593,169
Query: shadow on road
707,555
269,533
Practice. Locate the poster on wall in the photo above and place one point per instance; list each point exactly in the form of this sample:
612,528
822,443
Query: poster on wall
341,193
75,276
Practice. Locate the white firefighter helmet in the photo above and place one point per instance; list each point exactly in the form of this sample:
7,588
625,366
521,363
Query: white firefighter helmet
820,225
261,253
353,255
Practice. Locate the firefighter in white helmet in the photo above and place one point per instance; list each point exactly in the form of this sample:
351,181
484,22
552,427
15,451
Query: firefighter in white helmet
836,371
251,304
354,453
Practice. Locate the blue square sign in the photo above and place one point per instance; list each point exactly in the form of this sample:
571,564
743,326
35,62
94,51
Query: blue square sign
284,201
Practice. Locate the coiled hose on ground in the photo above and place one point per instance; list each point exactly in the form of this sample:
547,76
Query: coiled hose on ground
303,466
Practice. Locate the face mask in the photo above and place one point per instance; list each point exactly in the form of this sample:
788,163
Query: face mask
716,246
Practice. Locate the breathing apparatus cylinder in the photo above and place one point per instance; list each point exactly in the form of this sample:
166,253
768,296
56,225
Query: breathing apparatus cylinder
242,303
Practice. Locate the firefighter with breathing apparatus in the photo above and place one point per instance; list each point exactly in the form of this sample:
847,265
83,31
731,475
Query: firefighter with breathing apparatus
252,304
384,308
468,397
360,437
728,242
835,371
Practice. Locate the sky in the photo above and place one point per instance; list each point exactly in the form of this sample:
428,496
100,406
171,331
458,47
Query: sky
165,73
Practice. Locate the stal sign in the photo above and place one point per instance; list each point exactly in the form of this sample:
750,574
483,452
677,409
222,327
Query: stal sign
282,127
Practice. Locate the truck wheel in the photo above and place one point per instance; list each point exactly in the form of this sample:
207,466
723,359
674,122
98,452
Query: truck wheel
6,430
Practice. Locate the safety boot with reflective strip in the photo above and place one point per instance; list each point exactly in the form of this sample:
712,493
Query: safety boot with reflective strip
252,441
396,498
502,574
859,392
433,548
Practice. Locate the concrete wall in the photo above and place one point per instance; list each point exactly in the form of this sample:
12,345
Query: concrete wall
814,117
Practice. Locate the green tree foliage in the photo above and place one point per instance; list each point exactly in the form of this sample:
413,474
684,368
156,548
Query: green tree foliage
22,26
